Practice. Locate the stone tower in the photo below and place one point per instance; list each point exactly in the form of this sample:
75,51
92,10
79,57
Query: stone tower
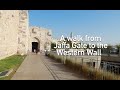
9,22
17,38
42,37
23,32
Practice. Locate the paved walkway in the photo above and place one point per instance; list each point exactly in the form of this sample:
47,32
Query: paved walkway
39,67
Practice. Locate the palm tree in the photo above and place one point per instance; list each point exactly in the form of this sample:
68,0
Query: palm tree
109,49
118,48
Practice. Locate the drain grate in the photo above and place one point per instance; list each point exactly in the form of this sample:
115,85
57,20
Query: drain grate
3,73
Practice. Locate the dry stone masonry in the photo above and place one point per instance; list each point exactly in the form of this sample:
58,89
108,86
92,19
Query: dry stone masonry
16,37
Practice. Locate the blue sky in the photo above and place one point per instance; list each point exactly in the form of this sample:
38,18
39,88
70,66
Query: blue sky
104,23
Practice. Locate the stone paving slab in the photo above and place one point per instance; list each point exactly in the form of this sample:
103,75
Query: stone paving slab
40,67
61,71
32,69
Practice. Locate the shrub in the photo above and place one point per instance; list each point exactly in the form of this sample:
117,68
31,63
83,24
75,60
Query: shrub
87,71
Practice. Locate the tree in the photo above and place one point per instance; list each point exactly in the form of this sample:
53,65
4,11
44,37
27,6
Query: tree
96,48
68,42
118,49
109,49
52,46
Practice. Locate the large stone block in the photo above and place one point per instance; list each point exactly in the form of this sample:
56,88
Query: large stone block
9,21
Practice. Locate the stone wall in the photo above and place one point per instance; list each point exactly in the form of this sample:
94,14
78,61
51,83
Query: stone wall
9,21
42,36
15,35
23,34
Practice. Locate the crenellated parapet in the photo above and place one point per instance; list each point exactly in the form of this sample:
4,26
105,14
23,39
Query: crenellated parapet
16,36
43,37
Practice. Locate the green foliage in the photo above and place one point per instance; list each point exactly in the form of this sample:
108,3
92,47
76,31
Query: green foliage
68,42
12,62
118,49
109,49
52,46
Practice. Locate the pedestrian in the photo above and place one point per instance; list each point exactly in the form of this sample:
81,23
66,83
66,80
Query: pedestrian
36,51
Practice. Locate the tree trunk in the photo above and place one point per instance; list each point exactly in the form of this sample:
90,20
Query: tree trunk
108,52
118,51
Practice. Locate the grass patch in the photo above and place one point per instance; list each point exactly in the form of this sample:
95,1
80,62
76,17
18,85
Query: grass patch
12,62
